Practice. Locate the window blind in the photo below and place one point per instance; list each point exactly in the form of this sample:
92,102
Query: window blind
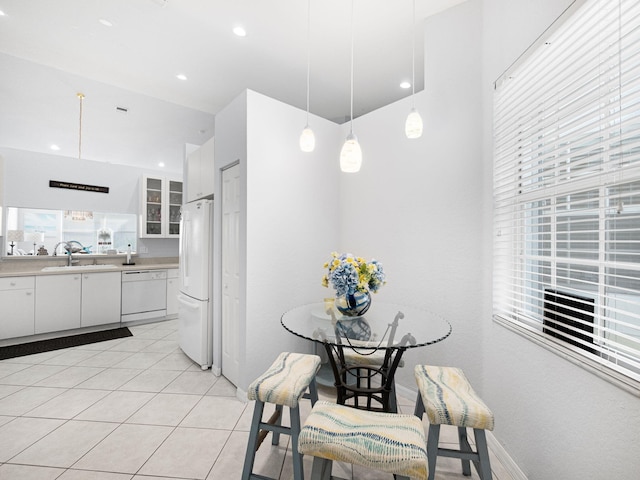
567,187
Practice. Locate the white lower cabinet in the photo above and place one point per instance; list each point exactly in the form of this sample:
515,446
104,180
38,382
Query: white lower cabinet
17,307
173,287
58,302
101,295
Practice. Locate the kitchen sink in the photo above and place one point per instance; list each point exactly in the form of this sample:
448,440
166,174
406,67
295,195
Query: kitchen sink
73,268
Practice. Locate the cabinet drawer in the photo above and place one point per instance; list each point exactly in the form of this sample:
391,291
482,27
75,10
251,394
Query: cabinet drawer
17,283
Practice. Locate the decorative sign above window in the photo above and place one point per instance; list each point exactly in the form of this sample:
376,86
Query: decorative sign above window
77,186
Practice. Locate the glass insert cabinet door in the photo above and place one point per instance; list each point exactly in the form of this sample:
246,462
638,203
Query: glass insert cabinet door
175,207
161,207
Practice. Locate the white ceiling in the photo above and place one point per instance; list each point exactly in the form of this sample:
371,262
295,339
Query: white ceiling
50,50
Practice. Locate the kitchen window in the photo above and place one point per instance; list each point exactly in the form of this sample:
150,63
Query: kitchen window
567,190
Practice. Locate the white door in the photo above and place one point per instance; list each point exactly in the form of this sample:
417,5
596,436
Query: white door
231,273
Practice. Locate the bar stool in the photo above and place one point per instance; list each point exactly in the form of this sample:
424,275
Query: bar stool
387,442
283,384
447,397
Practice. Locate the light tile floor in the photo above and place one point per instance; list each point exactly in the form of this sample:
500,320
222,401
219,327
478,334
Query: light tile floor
138,408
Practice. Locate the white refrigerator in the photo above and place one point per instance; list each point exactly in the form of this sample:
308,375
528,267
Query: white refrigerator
195,310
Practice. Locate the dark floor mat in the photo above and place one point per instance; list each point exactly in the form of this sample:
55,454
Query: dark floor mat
40,346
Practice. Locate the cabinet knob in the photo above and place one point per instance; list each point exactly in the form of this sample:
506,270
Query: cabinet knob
29,293
13,284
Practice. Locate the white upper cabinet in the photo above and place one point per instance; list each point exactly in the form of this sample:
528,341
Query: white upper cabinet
200,172
161,204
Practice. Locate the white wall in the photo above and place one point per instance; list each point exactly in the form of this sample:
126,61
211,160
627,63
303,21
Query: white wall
230,147
424,208
26,184
556,420
292,212
415,205
292,218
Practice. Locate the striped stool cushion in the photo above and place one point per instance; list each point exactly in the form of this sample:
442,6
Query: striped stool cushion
363,356
388,442
286,379
449,399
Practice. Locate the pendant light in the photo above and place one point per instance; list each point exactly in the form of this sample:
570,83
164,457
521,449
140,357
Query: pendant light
413,125
81,98
351,154
307,138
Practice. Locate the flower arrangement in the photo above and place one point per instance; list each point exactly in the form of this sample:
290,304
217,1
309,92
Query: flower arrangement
349,274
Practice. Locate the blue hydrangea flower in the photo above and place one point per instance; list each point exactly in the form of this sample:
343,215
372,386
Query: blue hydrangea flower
344,279
349,274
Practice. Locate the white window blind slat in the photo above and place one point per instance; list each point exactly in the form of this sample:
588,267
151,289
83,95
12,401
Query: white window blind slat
567,187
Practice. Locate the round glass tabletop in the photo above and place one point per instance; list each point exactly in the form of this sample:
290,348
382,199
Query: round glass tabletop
384,325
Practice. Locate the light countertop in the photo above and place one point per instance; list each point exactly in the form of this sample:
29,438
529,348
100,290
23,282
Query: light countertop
35,266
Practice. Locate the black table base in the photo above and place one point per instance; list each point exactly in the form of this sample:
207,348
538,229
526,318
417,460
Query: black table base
368,387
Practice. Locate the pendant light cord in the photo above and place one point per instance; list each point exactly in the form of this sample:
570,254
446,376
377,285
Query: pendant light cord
81,97
352,15
308,53
413,56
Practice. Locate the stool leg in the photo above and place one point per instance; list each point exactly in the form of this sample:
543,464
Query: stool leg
295,431
393,399
464,447
313,392
321,469
253,440
275,440
433,439
419,409
484,467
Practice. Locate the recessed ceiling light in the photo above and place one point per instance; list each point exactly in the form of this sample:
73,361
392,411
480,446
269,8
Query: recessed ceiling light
161,164
54,147
105,22
240,31
405,85
2,14
181,76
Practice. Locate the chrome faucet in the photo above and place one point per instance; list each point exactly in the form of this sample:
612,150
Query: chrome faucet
68,248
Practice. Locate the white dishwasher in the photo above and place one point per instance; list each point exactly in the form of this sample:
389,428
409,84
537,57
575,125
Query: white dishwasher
144,294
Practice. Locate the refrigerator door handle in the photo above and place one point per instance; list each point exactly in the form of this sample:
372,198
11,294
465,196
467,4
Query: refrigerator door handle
185,301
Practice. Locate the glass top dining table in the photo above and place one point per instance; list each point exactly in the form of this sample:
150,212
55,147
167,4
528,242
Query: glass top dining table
364,352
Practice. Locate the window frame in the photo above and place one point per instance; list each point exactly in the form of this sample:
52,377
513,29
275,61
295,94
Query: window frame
526,180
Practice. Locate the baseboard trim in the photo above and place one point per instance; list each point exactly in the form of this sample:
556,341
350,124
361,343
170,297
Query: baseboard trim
494,445
504,458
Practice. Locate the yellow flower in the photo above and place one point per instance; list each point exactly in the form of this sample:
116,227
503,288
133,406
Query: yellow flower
325,281
326,265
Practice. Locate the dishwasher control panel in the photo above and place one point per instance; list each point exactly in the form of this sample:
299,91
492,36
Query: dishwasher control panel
143,275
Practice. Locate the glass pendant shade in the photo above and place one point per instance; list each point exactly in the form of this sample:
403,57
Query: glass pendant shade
307,140
413,125
351,155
